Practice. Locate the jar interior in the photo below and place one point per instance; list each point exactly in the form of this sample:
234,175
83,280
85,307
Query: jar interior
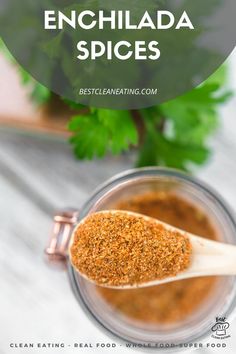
174,311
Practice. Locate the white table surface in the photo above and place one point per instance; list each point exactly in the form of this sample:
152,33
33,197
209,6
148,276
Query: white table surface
37,176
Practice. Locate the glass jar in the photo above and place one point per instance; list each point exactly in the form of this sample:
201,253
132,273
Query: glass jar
194,328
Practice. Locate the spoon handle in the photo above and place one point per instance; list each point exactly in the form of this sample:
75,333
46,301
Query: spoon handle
212,258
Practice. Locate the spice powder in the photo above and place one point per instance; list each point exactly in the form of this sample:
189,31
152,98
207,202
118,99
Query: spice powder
116,249
173,302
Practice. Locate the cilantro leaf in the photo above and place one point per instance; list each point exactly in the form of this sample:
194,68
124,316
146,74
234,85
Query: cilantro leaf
173,134
121,128
90,138
102,131
73,105
157,149
177,131
193,116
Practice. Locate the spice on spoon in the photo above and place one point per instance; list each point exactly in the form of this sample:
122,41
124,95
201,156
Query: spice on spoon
117,249
173,302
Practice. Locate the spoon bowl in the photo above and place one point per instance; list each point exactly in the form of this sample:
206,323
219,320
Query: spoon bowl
208,258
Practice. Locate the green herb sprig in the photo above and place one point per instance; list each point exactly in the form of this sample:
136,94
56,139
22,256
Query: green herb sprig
173,134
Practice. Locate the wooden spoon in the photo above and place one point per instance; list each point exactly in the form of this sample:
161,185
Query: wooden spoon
209,258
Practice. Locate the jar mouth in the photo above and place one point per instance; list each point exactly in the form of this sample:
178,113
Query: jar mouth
150,172
81,286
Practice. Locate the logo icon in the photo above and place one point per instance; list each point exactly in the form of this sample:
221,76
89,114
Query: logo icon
220,328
